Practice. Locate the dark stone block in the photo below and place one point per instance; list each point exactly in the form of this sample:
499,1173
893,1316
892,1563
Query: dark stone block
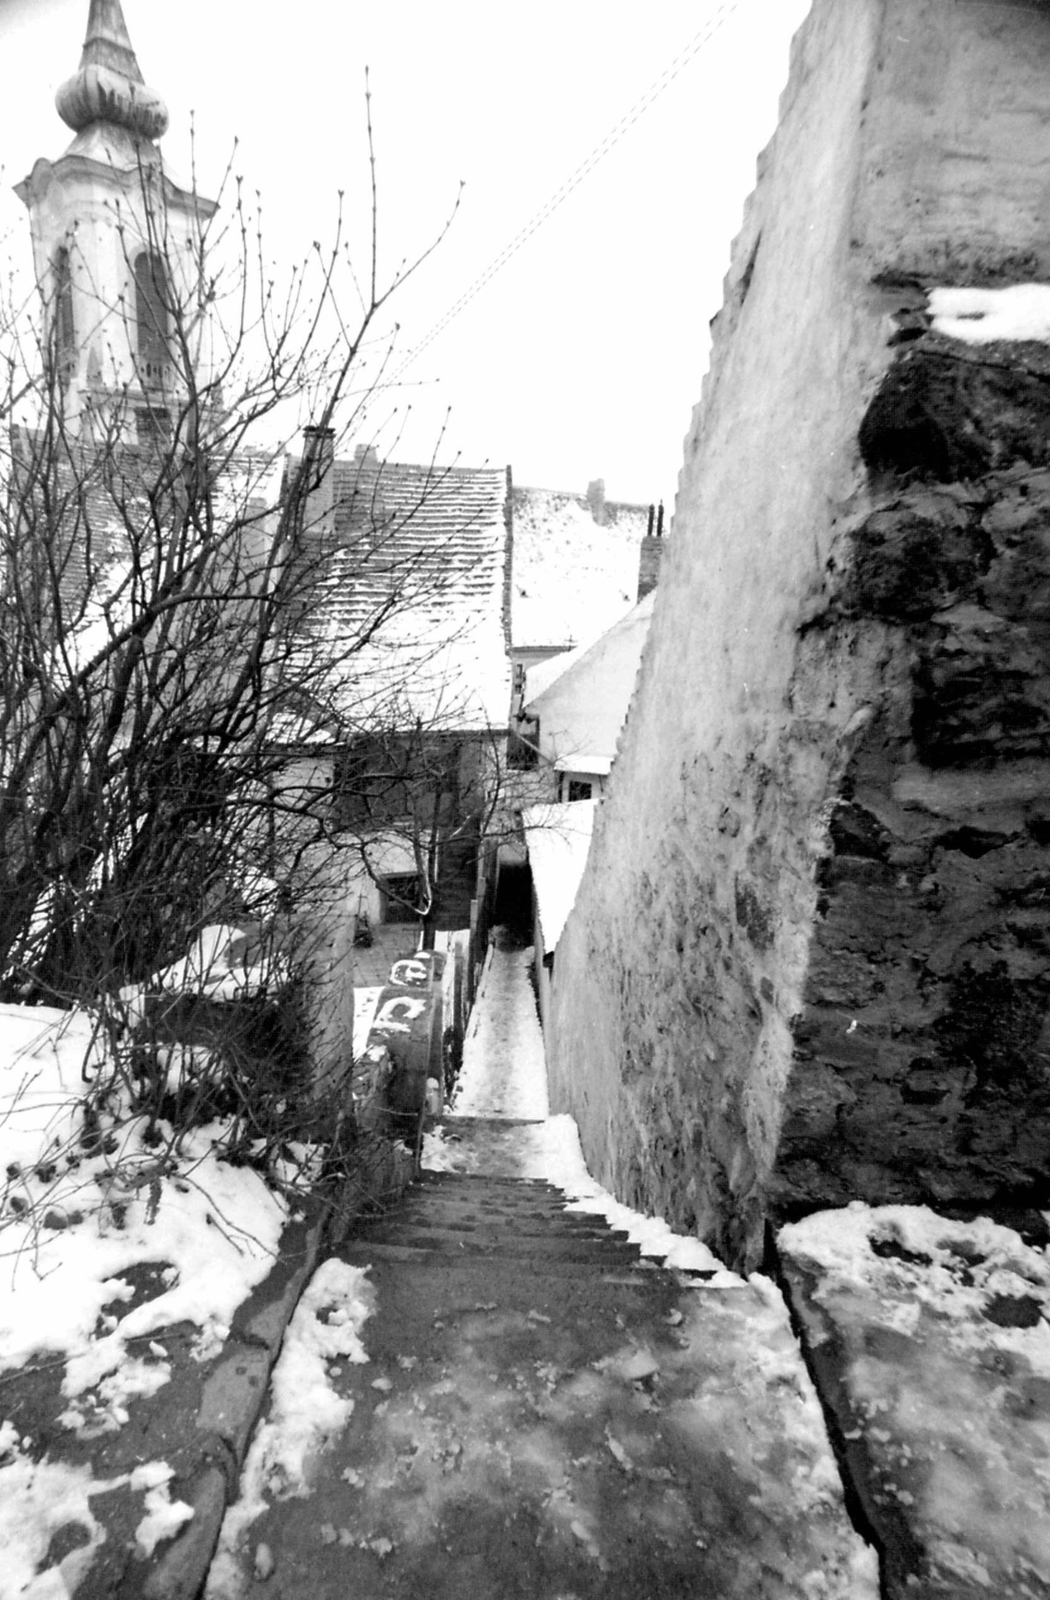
945,411
992,1024
979,701
908,566
855,832
751,915
927,1083
972,842
1013,1311
857,869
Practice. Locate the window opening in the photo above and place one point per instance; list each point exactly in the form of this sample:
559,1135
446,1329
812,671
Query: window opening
153,426
152,320
523,744
400,897
64,327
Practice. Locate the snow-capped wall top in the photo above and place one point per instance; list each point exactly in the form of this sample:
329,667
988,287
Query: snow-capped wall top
982,316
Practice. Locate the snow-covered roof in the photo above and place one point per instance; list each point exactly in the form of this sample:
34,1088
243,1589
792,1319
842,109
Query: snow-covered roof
95,516
415,597
597,761
558,837
408,621
626,635
102,506
582,698
572,576
539,678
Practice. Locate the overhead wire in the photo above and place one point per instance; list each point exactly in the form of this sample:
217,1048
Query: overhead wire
724,9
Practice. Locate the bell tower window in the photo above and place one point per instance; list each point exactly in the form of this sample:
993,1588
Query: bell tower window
152,320
63,327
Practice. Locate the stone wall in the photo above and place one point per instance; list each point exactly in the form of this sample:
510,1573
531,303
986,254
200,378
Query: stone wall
806,962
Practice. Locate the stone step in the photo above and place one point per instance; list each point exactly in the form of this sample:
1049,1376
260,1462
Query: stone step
362,1252
426,1230
467,1124
463,1217
494,1206
463,1220
489,1191
497,1205
439,1212
537,1247
456,1180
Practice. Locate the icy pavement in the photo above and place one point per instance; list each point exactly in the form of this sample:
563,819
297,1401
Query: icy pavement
525,1403
931,1342
503,1073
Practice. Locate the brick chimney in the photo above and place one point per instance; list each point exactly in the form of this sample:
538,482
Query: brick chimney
650,552
368,491
318,485
596,500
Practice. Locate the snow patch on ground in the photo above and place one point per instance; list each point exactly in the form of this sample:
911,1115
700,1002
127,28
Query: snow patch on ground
942,1332
164,1516
504,1073
36,1499
965,1261
75,1218
73,1222
305,1411
981,316
39,1498
224,963
365,1003
572,577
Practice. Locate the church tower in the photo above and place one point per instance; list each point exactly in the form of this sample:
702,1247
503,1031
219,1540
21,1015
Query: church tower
117,247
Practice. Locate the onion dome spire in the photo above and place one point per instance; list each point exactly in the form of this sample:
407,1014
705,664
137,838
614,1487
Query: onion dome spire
109,86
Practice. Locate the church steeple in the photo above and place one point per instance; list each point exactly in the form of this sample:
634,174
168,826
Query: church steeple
117,243
109,86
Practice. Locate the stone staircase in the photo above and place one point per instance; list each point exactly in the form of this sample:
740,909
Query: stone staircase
544,1414
479,1221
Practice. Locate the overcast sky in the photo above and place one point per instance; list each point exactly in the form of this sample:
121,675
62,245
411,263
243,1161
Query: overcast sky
584,356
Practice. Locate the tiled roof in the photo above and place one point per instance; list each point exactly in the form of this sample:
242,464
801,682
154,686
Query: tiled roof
92,508
572,576
77,517
422,552
409,619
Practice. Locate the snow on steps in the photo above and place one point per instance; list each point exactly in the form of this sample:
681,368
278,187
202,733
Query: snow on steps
543,1412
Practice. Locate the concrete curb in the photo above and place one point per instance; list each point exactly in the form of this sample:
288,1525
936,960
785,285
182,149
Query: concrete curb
232,1398
234,1393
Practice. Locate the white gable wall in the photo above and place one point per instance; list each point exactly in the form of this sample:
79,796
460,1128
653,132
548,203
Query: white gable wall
583,710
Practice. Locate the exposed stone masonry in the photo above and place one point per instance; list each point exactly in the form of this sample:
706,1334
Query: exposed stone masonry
922,1053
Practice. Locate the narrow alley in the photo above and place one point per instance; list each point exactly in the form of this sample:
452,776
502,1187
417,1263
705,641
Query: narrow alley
530,1403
